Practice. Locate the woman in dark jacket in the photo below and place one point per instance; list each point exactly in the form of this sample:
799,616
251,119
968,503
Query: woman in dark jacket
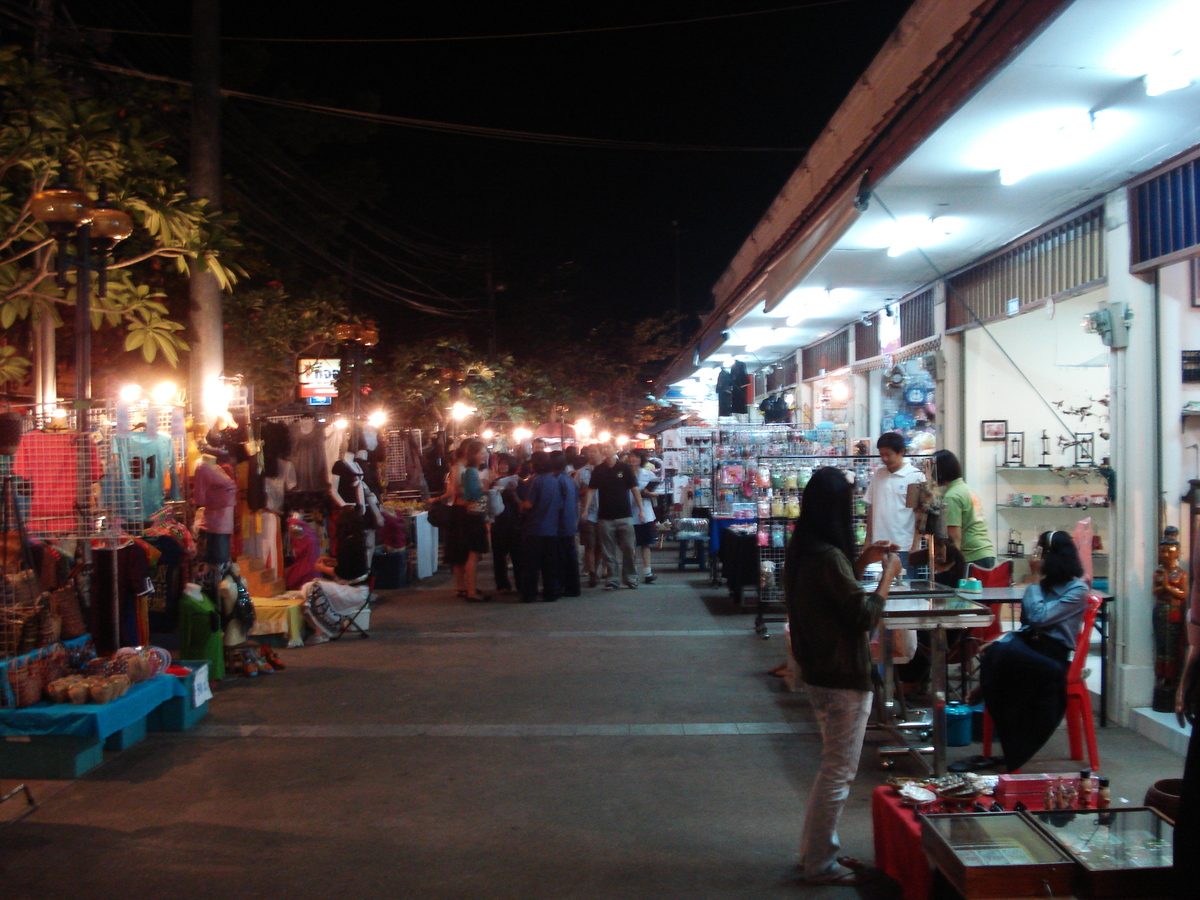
831,618
1023,675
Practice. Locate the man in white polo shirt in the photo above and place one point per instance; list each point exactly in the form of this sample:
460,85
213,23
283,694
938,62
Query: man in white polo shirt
889,518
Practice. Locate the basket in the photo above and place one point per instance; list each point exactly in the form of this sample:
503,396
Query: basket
65,603
28,680
20,588
13,622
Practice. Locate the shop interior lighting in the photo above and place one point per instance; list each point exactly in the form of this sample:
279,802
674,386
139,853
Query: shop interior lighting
604,437
911,232
622,440
164,392
839,391
340,422
59,414
130,393
460,411
377,418
1051,139
488,434
1172,73
583,428
521,434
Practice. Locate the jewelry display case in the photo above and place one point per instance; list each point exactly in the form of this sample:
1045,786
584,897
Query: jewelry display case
997,855
1120,852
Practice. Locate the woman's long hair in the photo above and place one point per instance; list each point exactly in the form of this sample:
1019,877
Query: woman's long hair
825,515
1060,559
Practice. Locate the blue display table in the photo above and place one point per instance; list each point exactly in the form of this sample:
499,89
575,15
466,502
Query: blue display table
62,740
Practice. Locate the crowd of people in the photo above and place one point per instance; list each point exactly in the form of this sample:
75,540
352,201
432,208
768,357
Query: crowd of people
537,512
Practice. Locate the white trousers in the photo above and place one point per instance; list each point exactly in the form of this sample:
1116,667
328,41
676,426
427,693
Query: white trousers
842,717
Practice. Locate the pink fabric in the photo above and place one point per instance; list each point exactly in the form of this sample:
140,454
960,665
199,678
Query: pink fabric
305,553
217,493
1082,536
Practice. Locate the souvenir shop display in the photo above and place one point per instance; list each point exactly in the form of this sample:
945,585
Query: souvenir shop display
909,402
688,467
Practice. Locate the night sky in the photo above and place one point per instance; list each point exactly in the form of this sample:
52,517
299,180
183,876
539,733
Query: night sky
769,80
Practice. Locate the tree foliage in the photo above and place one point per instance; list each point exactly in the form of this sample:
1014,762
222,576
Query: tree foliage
600,375
51,126
267,332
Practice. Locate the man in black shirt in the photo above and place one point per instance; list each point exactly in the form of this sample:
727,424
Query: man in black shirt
619,498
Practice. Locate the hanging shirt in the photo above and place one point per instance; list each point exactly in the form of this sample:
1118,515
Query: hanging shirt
136,483
55,464
275,488
308,453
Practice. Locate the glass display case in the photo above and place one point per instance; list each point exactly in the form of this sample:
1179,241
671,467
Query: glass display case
1120,852
997,855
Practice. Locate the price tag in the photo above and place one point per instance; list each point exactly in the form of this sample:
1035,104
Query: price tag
201,692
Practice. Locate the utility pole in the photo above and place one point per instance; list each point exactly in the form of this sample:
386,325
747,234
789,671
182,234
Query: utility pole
678,292
491,292
208,352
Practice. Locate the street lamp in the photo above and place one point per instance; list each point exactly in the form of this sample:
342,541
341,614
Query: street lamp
97,227
357,336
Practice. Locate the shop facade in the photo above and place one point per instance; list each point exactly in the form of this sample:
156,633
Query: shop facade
1033,322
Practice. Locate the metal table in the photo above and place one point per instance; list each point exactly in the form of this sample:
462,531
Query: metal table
932,607
1014,594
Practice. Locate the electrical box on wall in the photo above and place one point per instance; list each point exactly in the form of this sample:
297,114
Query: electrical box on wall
1110,321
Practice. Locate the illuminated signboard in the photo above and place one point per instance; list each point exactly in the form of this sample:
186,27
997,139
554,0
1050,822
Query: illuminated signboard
318,377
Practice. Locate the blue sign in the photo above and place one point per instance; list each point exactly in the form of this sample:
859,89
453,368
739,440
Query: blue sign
320,401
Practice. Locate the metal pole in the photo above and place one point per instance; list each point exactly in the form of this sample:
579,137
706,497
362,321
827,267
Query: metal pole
83,322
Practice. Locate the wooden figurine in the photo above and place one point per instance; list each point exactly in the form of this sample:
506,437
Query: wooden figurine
1170,587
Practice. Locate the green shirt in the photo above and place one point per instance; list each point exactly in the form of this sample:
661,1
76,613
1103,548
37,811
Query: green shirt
963,511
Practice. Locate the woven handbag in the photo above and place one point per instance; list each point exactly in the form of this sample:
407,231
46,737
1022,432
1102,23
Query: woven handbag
65,603
28,680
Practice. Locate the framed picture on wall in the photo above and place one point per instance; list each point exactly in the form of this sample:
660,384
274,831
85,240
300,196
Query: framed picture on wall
993,429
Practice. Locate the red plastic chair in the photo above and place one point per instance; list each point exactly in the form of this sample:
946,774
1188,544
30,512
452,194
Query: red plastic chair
1080,721
999,576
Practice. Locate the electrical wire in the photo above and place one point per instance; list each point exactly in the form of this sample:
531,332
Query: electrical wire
492,37
508,134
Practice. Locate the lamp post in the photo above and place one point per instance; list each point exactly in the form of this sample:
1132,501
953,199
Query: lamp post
96,228
358,337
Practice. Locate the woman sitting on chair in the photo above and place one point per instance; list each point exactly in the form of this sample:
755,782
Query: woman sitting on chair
341,593
1023,675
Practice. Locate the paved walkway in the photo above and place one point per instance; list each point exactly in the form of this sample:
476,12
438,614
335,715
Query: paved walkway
617,745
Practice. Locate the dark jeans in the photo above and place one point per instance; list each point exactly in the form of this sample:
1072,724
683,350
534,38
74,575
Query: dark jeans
506,544
540,556
568,563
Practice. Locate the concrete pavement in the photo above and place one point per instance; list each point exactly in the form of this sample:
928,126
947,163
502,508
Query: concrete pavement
618,745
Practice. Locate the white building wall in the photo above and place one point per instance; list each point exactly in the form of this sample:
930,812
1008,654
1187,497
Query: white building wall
1136,457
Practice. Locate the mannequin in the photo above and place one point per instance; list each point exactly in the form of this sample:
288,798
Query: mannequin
347,486
1170,587
214,494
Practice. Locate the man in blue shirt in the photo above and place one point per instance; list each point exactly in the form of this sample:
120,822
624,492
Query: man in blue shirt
540,546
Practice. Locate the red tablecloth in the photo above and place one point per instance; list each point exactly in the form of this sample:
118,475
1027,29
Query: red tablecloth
898,850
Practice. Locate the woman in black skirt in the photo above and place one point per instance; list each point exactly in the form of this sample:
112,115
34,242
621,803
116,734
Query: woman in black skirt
1023,675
